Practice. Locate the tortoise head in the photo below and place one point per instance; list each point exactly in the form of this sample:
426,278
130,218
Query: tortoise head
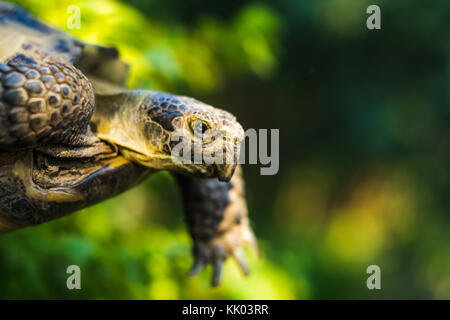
169,132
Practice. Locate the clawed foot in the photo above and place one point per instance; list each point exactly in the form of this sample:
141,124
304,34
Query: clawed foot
215,250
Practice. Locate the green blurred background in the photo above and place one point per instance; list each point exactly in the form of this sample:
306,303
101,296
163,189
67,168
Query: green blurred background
364,152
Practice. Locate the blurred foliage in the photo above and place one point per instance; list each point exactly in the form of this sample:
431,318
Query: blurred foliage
169,55
365,147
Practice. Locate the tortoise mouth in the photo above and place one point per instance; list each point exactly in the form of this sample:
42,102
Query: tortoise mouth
225,171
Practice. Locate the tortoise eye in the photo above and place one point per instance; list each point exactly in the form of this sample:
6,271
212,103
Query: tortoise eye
199,127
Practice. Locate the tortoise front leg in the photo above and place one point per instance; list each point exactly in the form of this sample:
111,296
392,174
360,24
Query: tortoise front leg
216,214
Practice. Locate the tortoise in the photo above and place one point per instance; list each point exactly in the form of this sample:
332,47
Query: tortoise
73,135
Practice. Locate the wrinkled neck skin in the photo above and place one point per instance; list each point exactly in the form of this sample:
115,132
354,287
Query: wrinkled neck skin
117,120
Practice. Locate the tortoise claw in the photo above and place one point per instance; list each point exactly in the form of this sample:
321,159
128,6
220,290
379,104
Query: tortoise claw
249,238
196,267
217,272
217,249
240,258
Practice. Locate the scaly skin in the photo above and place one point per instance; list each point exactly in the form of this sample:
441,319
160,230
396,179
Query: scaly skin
217,218
143,124
43,103
51,164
